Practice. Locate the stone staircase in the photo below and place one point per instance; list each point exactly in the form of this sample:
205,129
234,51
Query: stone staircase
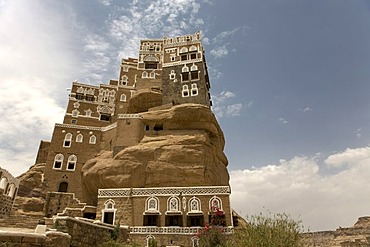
21,221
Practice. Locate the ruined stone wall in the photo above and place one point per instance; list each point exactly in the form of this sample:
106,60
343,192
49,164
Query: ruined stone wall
6,204
85,233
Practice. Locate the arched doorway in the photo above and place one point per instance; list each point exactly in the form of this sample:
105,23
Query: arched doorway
63,187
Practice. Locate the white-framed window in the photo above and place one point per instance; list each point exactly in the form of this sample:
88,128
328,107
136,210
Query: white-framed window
67,140
173,204
149,239
152,204
88,113
144,74
183,50
194,75
193,67
109,212
215,204
125,68
124,80
75,113
185,69
92,139
80,90
173,57
185,91
71,163
79,138
194,205
123,97
58,161
152,74
193,48
195,241
194,89
172,75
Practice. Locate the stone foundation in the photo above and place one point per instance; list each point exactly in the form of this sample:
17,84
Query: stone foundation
50,239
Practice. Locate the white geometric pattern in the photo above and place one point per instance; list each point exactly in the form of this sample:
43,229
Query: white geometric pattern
165,191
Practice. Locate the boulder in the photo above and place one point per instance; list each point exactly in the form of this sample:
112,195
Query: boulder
186,151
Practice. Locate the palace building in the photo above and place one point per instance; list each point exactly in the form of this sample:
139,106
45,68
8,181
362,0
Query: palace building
143,151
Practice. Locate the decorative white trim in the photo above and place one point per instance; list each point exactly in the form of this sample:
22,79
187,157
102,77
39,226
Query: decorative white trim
164,65
165,191
59,158
81,127
172,230
125,116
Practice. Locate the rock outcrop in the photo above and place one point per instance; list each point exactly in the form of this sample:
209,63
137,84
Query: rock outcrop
184,149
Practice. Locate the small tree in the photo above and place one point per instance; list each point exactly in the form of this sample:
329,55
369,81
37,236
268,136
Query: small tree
271,230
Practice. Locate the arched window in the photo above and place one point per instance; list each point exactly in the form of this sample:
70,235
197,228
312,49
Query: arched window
183,50
123,97
215,204
58,161
124,80
108,213
144,74
173,204
67,140
152,204
185,91
185,69
172,75
193,67
149,240
195,241
152,75
71,164
193,48
194,89
4,184
92,139
63,187
11,190
194,205
79,138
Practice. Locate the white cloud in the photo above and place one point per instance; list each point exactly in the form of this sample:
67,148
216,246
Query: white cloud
220,51
148,18
36,62
221,106
306,109
282,120
105,2
295,186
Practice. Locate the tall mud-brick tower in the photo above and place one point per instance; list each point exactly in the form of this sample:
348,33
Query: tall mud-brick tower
144,151
185,76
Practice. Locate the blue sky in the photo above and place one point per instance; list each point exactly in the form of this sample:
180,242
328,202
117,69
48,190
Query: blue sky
290,86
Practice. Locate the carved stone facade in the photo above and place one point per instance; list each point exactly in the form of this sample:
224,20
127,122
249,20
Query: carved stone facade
122,138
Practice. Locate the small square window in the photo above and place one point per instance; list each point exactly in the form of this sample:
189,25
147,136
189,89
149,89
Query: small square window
57,165
185,76
193,56
71,166
67,143
184,57
73,121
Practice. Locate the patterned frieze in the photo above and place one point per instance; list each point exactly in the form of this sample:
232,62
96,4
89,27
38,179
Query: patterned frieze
165,191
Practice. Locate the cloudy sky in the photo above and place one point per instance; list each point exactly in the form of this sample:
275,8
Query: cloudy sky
290,86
